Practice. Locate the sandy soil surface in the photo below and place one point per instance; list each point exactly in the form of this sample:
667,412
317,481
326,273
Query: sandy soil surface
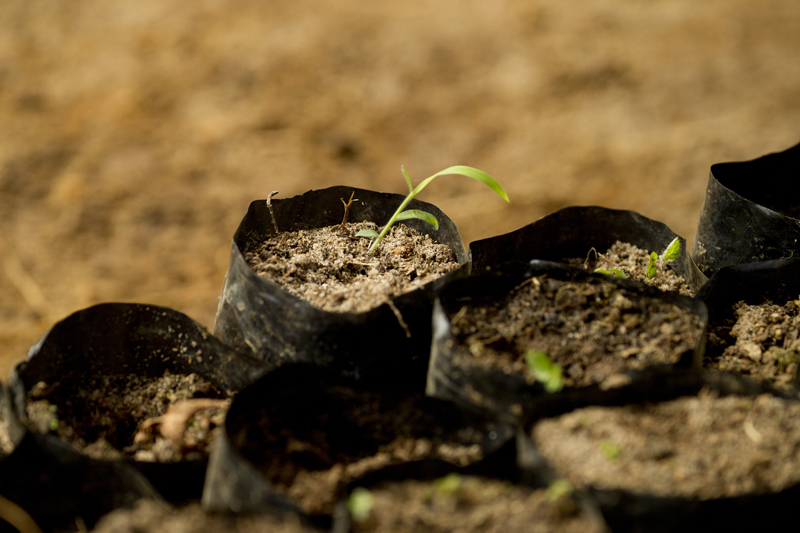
134,134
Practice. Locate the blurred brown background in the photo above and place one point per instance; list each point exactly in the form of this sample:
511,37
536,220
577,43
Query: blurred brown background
133,135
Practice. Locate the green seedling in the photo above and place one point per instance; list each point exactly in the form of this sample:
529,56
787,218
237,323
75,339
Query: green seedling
544,370
53,424
360,503
404,214
610,450
558,489
669,255
449,484
617,273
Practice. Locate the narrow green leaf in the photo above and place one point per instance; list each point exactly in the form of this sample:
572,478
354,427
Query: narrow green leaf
408,180
672,251
544,370
360,503
367,233
421,215
617,273
469,172
651,266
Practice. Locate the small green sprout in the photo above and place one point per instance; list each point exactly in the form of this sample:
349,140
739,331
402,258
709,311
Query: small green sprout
403,214
449,484
616,272
53,424
610,450
544,370
360,503
669,255
559,488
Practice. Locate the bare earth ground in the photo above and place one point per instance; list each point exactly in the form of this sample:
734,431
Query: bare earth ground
134,134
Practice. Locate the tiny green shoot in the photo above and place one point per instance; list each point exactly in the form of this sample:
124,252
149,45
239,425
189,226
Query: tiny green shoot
616,272
544,370
403,214
559,488
449,484
669,255
360,503
53,425
610,450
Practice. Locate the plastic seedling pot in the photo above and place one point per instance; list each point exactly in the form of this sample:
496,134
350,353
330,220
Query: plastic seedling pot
637,510
749,213
121,341
776,281
460,371
419,494
573,231
258,317
301,432
56,485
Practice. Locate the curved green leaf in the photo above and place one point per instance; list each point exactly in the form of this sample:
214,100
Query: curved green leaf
421,215
367,233
469,172
408,180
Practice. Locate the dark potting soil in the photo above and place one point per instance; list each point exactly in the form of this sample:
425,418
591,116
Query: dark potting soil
150,516
468,504
357,432
332,269
633,261
592,330
703,447
762,343
170,418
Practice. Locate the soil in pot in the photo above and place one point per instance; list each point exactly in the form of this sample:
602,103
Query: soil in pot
309,441
149,516
332,269
759,341
633,261
591,328
700,447
467,503
171,418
